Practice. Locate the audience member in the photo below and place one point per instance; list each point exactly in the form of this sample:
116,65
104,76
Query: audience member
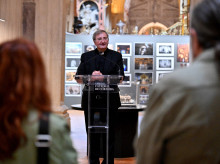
24,100
181,124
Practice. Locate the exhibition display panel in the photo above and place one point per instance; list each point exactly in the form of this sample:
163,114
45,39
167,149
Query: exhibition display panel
146,60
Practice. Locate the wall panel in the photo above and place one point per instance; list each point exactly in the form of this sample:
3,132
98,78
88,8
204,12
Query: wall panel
50,36
132,39
11,12
49,31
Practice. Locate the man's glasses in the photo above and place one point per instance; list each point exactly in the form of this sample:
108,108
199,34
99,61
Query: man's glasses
99,39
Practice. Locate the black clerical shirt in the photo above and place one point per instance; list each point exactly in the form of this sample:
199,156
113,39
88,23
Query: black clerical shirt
100,61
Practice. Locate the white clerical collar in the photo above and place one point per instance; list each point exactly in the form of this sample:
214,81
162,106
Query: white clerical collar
101,53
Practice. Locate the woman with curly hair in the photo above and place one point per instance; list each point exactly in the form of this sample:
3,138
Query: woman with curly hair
24,100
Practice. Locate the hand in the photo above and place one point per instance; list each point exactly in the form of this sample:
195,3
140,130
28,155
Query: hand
121,80
96,73
97,76
79,79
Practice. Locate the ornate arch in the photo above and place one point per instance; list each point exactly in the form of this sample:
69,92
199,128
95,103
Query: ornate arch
152,28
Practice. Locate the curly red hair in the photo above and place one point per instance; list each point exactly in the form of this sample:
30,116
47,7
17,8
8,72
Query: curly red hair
23,85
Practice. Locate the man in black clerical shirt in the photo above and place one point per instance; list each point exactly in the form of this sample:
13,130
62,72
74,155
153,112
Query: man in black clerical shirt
101,61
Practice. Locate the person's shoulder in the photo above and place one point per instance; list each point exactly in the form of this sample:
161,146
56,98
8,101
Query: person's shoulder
113,52
179,79
57,121
89,52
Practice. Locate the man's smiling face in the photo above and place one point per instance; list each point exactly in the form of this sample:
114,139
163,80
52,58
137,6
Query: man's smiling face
101,42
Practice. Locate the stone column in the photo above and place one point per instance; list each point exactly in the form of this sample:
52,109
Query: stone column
28,21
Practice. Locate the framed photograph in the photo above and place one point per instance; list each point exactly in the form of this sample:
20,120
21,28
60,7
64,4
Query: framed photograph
144,78
126,82
88,48
144,64
69,76
73,48
73,90
161,74
126,64
183,53
144,89
164,63
143,99
143,48
123,48
72,62
165,49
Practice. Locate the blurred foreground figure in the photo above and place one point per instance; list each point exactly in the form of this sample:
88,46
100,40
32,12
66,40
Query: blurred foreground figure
24,100
182,121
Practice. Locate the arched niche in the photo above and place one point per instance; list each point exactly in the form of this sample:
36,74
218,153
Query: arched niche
96,5
152,28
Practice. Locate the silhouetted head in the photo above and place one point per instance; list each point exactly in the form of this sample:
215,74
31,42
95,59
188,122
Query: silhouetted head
205,19
205,28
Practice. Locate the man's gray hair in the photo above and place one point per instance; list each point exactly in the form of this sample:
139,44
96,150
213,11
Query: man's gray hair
98,32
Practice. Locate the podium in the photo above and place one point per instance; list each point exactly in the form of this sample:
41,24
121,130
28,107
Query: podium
99,89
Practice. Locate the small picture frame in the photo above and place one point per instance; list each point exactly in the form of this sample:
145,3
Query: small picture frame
73,48
143,99
126,64
123,48
164,63
183,53
144,48
144,78
165,49
88,48
161,74
144,64
70,76
73,90
126,81
72,62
